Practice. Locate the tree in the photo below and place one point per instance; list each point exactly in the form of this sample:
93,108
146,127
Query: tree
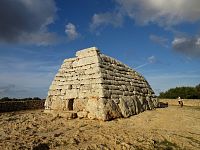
36,98
183,92
5,99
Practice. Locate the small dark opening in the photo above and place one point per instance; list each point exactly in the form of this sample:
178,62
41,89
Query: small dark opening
70,104
70,87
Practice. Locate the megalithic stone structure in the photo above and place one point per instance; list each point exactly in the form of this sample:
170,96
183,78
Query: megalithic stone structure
97,86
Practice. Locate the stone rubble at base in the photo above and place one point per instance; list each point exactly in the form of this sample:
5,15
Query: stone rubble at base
97,86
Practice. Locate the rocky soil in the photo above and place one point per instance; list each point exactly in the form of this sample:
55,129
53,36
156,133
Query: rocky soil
166,128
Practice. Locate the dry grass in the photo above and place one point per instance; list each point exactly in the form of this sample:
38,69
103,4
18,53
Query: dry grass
167,128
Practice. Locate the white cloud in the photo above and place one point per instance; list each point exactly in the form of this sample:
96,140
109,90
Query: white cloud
159,40
189,46
152,59
70,30
163,12
104,19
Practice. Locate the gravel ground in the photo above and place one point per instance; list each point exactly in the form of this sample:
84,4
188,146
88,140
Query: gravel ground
164,128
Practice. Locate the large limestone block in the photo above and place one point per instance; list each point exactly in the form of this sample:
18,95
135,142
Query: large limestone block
69,60
129,106
150,104
71,94
112,110
130,101
82,114
57,103
68,115
93,71
87,61
95,107
80,104
155,102
92,51
48,103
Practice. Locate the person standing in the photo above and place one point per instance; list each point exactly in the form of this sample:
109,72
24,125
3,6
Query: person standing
180,102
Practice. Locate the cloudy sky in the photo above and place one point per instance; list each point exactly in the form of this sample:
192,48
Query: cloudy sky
160,39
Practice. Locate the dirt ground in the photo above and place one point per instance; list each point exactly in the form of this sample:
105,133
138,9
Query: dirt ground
164,128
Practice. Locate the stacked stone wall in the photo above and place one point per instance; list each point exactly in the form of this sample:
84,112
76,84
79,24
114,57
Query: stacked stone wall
100,87
78,79
124,89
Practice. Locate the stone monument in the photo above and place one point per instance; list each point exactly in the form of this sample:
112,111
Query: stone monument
97,86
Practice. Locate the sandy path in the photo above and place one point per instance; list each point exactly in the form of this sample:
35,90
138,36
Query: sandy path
167,128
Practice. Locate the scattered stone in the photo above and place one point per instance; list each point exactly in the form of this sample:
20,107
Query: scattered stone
73,141
82,114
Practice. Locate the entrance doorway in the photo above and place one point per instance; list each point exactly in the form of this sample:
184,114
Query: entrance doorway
70,104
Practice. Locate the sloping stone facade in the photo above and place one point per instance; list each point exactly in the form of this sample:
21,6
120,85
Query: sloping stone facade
96,86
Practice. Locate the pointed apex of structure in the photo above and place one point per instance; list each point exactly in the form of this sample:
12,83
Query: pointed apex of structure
87,51
90,49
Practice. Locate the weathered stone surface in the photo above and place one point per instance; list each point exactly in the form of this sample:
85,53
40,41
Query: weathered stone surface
82,114
112,110
124,107
97,86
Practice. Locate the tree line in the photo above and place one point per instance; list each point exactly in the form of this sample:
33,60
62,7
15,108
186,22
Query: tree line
183,92
5,99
